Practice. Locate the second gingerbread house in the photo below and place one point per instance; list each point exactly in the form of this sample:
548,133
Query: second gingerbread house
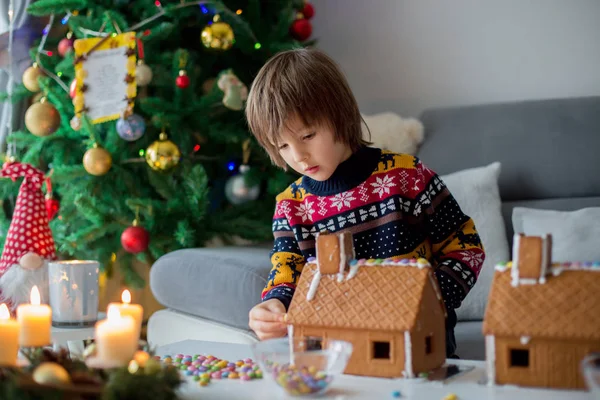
542,317
390,310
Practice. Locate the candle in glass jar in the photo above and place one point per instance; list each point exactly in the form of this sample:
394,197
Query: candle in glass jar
115,339
35,322
9,337
135,311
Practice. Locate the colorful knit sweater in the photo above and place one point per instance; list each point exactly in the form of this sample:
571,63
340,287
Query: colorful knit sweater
394,206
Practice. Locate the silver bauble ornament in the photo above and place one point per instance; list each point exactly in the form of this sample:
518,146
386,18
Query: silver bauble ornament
131,128
237,191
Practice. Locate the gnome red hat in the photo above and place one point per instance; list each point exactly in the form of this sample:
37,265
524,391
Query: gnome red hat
29,244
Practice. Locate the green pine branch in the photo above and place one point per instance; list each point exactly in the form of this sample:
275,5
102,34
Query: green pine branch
47,7
19,94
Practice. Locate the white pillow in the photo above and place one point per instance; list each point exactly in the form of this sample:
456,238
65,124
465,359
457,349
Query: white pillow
574,233
476,191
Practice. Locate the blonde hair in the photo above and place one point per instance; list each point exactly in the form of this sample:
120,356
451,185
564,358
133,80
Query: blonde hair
303,83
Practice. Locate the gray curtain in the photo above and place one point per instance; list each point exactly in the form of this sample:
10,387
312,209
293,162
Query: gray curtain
18,61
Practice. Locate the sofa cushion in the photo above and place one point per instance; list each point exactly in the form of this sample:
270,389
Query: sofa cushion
219,284
574,233
476,191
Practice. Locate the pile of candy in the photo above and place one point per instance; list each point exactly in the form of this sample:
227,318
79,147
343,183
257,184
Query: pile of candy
204,368
299,380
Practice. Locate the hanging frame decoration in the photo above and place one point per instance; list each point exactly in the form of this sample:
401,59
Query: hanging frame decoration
105,76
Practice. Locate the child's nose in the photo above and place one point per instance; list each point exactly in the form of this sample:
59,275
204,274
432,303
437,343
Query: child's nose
300,155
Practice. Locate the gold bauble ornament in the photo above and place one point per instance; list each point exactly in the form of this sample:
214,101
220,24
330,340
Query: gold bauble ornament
141,357
30,78
49,373
133,367
218,35
75,123
163,155
37,97
42,119
97,161
143,73
152,367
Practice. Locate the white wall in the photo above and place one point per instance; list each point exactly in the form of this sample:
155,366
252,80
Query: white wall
408,55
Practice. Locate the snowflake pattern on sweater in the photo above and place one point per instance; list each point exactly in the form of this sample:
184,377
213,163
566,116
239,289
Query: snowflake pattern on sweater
401,210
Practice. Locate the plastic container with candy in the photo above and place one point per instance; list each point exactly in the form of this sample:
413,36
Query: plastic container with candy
302,366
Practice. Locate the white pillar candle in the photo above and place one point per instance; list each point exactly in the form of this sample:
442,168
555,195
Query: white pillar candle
9,337
135,311
115,339
35,322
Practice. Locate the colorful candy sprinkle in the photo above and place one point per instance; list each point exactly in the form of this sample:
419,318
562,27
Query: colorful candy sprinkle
299,380
450,396
204,368
396,394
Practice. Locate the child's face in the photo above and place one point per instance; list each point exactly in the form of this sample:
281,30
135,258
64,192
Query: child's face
311,150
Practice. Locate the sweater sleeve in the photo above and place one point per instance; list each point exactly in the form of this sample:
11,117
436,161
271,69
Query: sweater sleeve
458,253
286,258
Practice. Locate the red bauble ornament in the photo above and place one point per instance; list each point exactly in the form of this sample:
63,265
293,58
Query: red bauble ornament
135,239
64,46
301,29
52,207
308,11
182,80
73,88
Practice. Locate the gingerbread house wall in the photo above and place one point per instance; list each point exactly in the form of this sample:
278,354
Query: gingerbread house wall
362,361
552,363
431,323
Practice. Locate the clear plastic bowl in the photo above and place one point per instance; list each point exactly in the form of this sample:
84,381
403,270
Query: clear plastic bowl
302,366
591,373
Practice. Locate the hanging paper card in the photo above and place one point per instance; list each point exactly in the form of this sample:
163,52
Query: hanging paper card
105,76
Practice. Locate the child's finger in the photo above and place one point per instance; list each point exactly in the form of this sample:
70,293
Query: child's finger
268,327
265,336
261,314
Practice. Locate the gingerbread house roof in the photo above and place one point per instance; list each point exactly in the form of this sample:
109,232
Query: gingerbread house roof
564,306
383,295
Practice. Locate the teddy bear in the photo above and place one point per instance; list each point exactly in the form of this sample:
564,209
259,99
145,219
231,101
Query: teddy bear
390,131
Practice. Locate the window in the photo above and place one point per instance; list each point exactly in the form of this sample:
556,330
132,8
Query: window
381,350
428,344
519,358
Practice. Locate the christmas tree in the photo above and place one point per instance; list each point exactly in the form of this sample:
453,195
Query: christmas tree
136,117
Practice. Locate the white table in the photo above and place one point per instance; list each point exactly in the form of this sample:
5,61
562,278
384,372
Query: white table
465,386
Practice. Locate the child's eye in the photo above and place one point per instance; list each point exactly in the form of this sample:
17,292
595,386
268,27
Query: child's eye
283,146
309,136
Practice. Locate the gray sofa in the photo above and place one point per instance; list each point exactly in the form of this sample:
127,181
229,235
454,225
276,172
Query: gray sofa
548,151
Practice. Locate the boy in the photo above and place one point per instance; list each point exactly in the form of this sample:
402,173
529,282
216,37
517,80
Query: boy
302,111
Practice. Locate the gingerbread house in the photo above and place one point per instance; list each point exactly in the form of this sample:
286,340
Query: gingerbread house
542,317
390,310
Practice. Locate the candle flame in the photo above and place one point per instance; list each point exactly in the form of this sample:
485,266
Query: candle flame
113,314
126,297
35,296
4,314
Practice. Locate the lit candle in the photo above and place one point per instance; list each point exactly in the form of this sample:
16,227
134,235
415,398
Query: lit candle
35,320
135,311
9,337
115,339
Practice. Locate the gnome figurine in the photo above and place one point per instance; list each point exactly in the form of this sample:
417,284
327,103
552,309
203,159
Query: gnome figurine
29,244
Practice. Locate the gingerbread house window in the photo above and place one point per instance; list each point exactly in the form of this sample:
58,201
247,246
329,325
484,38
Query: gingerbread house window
519,358
428,344
381,350
314,343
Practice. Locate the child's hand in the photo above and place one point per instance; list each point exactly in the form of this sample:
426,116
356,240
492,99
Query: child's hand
266,319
